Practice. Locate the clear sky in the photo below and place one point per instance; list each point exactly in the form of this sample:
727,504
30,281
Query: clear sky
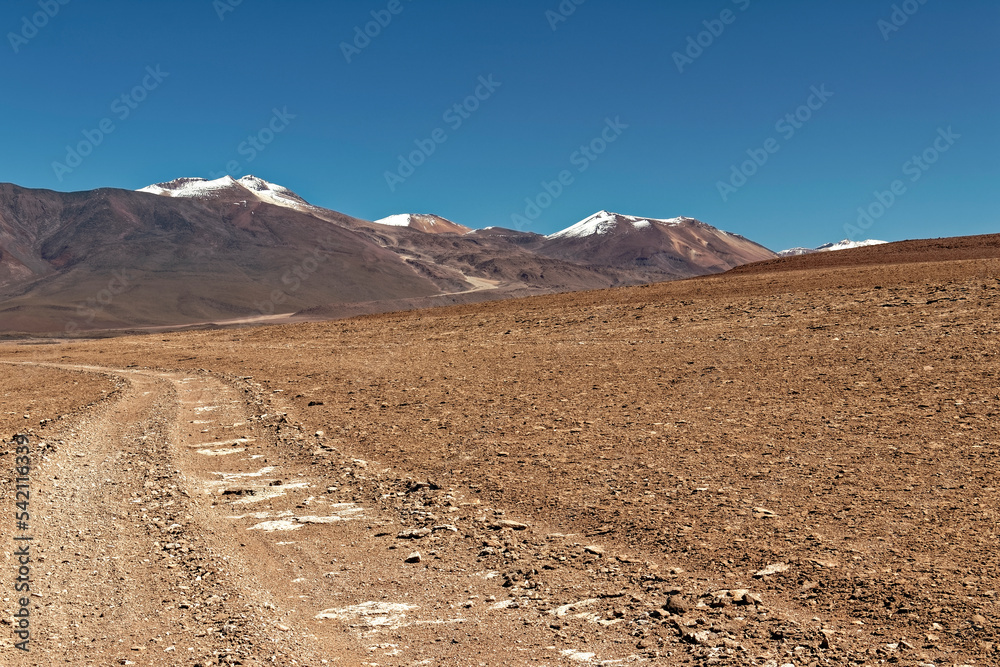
611,97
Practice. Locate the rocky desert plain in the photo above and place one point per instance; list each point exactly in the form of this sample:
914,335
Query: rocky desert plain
792,463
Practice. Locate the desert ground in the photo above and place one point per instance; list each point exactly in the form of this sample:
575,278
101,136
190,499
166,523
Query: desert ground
769,467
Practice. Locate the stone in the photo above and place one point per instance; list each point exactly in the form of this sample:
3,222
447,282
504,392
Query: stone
414,533
414,557
676,605
774,568
513,525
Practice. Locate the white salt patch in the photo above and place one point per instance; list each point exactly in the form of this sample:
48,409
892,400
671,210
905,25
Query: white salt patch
371,614
272,526
578,656
220,452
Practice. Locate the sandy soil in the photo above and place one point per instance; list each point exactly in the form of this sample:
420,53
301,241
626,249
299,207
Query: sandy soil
761,469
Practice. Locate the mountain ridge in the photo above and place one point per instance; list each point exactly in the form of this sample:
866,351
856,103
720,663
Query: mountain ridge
193,251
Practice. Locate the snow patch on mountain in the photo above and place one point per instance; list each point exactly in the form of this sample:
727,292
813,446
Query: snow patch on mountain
415,220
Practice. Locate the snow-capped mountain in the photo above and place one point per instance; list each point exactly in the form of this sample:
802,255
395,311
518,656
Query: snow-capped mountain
199,188
425,222
605,222
846,244
674,246
793,252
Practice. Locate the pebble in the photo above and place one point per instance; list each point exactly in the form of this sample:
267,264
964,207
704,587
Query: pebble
414,557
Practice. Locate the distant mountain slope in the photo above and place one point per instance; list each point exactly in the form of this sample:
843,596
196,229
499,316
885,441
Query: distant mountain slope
432,224
678,247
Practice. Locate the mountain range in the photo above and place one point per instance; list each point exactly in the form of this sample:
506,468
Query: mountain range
194,252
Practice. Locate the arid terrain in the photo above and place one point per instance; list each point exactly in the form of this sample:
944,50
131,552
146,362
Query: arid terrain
794,463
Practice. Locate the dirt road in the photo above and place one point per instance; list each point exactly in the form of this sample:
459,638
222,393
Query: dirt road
174,524
131,564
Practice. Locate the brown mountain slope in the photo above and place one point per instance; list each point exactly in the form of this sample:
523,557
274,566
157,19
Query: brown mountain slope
680,247
113,258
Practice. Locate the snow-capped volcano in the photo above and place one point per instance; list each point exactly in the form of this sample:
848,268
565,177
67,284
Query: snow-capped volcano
425,222
674,246
605,222
846,244
201,188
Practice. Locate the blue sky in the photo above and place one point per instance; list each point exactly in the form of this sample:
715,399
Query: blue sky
611,97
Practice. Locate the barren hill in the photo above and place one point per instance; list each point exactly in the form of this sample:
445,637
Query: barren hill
901,252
